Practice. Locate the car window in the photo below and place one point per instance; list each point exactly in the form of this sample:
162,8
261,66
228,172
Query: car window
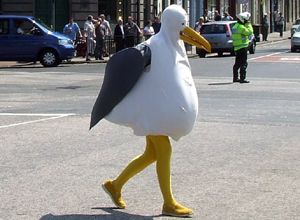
3,26
23,26
213,29
297,22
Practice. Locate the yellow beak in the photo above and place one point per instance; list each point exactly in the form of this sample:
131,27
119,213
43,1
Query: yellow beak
190,36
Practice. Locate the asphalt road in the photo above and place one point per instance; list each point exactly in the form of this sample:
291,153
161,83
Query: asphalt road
241,161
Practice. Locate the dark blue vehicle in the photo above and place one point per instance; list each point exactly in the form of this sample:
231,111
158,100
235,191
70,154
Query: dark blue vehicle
24,38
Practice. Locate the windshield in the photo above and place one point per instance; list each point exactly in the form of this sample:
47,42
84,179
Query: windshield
42,25
213,29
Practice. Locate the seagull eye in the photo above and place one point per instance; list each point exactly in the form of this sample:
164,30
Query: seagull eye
182,23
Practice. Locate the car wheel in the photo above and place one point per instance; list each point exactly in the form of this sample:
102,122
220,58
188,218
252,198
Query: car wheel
220,54
293,49
202,54
49,58
252,49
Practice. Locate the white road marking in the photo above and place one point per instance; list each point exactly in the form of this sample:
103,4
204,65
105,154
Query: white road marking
272,54
50,117
290,58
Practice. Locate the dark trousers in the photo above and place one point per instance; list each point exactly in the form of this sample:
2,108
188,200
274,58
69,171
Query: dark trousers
280,29
120,45
240,64
99,48
265,31
129,41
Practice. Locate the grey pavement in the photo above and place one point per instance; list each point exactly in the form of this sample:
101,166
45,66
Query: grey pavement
240,162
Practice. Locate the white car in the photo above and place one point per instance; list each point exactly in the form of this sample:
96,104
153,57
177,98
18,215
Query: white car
295,26
295,40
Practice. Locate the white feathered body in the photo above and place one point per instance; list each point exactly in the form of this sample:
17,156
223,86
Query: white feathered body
164,101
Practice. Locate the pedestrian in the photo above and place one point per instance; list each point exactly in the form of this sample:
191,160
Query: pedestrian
119,37
89,33
132,33
100,34
199,24
227,17
280,23
108,34
265,27
156,24
72,30
161,104
241,32
148,30
217,16
205,16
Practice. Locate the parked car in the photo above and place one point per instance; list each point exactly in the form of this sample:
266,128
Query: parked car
295,26
219,35
295,40
25,38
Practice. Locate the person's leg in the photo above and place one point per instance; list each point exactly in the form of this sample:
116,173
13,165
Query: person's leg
244,65
114,187
281,30
236,66
101,45
163,150
87,49
136,165
264,33
97,49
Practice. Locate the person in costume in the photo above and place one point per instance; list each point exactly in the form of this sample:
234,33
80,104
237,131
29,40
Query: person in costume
155,95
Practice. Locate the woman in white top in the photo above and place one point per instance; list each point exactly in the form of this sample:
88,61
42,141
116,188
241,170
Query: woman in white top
148,30
199,24
89,32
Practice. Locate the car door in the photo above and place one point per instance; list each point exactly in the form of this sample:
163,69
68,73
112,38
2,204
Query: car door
25,44
4,39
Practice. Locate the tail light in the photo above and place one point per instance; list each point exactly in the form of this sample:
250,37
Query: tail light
228,32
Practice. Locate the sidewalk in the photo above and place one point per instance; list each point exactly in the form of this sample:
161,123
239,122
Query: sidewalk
272,37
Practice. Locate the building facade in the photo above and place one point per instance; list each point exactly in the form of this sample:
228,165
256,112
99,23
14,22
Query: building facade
55,13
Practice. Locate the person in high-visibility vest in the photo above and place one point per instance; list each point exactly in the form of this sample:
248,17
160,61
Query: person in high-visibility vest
241,33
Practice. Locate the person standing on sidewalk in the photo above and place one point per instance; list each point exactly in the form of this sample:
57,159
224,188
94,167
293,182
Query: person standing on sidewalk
72,30
107,37
132,33
265,27
156,24
89,33
199,24
279,23
100,34
148,30
241,32
119,37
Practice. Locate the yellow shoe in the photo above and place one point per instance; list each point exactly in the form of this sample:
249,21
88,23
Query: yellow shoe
176,210
115,196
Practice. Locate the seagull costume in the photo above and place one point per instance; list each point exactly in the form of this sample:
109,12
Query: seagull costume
150,89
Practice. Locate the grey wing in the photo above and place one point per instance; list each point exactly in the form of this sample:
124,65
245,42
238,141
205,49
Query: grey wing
122,72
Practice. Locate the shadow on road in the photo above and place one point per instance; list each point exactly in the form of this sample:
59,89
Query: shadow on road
112,213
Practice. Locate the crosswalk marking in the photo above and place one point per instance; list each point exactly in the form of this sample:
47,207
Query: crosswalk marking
49,117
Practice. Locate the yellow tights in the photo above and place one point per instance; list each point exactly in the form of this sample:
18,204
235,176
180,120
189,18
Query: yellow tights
158,149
